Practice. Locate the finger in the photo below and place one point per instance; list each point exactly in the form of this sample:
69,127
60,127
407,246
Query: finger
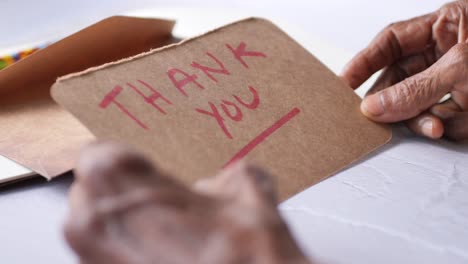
116,177
78,199
426,125
460,98
394,42
414,95
451,26
456,126
403,69
241,182
404,100
76,227
455,120
107,169
446,109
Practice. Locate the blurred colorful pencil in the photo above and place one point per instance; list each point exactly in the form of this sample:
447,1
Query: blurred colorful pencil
10,59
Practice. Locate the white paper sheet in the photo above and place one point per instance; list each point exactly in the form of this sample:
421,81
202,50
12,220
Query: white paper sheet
11,170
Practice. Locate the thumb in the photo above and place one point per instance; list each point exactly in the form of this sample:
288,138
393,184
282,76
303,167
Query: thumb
407,98
241,182
414,95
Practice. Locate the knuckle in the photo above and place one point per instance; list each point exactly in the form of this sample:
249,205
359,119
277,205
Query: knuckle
460,50
454,6
421,91
389,27
411,96
258,175
396,26
389,30
396,99
448,6
388,33
263,181
392,26
453,66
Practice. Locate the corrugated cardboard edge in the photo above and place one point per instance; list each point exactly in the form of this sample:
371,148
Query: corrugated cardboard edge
153,51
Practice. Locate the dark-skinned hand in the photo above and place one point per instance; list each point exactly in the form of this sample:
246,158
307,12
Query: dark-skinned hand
424,58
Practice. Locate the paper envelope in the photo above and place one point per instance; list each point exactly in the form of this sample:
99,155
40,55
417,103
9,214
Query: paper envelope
35,131
243,91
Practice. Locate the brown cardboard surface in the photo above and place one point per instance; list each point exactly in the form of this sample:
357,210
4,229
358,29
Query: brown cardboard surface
38,133
246,90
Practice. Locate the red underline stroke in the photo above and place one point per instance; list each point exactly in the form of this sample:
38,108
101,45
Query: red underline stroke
262,136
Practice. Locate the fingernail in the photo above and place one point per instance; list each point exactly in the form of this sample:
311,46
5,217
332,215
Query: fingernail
372,106
427,127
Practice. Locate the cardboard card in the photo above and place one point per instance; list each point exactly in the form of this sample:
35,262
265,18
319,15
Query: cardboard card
38,133
243,91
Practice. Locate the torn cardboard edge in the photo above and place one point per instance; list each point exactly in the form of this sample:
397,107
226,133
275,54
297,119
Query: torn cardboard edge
156,50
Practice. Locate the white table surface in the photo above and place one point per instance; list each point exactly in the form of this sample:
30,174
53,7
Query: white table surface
407,203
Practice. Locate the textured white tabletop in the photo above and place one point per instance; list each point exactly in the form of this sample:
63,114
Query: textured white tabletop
407,203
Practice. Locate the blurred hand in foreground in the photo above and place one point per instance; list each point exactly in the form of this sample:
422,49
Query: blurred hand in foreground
124,210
